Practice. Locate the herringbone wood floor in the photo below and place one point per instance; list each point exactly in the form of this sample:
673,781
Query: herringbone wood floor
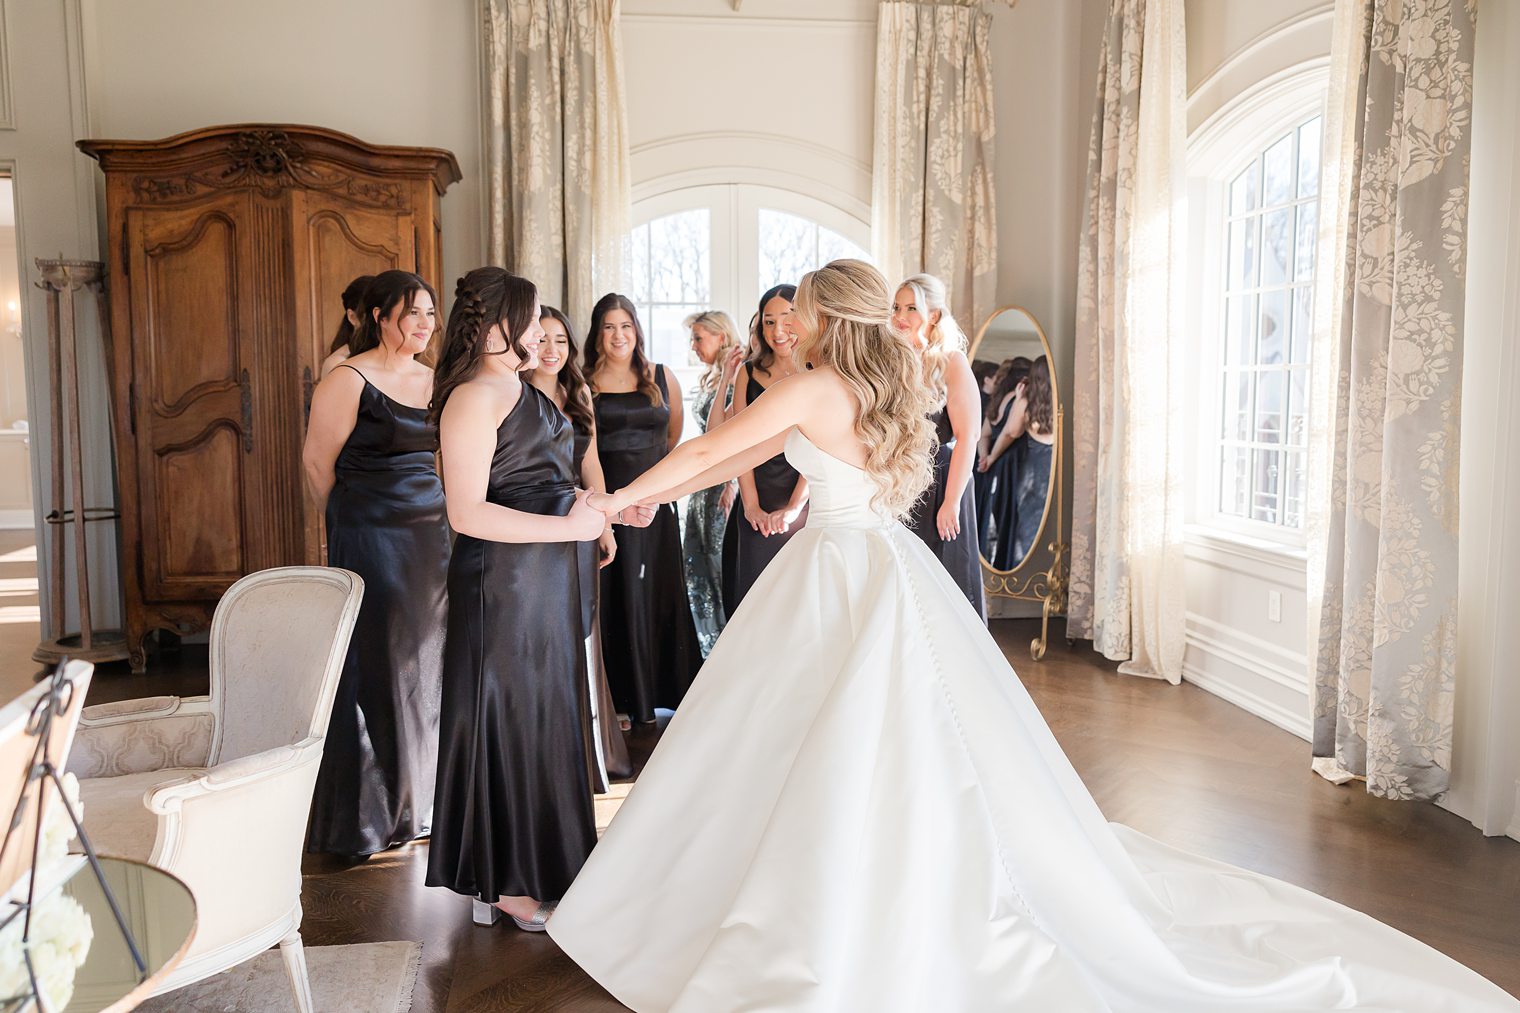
1174,762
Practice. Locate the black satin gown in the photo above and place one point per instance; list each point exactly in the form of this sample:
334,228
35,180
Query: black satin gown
775,481
513,813
959,555
997,502
649,640
1030,492
386,522
608,750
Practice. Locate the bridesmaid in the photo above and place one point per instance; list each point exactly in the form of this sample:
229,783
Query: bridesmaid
369,460
559,376
945,516
774,496
995,481
713,339
353,305
1029,437
514,820
648,634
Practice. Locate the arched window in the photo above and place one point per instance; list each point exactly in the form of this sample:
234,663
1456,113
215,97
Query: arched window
720,247
1254,173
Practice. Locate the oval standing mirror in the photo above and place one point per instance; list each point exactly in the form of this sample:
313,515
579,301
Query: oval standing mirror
1017,481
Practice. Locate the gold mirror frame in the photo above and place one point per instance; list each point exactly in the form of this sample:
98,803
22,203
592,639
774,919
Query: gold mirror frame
1045,586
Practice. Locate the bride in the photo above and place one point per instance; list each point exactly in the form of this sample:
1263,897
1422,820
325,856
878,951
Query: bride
869,814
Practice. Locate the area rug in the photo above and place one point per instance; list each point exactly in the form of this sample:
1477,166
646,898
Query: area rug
364,978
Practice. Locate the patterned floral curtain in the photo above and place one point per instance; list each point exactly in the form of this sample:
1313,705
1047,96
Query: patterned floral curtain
932,206
1128,441
557,148
1387,381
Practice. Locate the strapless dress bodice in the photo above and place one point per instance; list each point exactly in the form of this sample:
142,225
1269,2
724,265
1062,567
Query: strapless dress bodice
839,494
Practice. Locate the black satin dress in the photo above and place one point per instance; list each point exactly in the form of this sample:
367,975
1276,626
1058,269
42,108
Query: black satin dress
775,481
997,502
649,640
1030,492
513,813
386,522
959,555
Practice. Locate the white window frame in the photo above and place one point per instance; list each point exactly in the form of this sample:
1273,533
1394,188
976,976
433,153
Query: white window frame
1249,123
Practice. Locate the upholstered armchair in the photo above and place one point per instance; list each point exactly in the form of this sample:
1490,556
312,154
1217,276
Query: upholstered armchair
217,789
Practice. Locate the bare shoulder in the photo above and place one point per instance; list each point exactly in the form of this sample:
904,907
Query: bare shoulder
480,400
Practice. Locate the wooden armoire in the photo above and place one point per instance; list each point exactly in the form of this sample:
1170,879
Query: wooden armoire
229,248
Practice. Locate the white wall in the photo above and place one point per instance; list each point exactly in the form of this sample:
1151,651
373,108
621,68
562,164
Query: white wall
386,71
1234,648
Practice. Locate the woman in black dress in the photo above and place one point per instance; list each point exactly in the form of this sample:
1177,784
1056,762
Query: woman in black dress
772,498
648,636
1028,438
369,460
995,482
513,820
559,376
945,516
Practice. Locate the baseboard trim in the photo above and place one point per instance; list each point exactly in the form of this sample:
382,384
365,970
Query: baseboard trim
1282,717
1514,823
1255,655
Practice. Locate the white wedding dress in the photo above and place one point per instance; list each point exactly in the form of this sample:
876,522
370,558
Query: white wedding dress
859,809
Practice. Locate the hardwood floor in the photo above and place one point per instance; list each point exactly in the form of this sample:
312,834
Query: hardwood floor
1174,762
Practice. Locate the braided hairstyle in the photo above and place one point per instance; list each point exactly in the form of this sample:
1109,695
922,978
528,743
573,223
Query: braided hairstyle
353,302
643,371
484,298
571,380
385,292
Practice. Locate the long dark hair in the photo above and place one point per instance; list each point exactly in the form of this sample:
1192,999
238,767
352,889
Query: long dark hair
1007,379
1037,394
485,297
764,355
384,293
353,300
577,393
642,370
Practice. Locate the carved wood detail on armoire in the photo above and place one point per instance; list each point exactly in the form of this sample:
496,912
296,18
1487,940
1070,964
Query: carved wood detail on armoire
229,248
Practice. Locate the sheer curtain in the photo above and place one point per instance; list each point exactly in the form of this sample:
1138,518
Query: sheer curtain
557,148
932,206
1387,378
1126,592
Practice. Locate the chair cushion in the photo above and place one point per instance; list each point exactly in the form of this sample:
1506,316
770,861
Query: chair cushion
118,823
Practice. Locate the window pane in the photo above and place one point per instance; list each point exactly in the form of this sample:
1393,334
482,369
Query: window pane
680,257
1303,324
1242,272
1277,172
1265,471
833,246
1293,497
638,264
1237,406
1269,406
1276,227
788,248
1240,316
1272,341
1234,481
1243,191
668,339
1308,157
1303,243
1298,407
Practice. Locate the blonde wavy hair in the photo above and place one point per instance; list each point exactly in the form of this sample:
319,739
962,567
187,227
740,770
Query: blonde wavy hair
844,316
721,324
942,339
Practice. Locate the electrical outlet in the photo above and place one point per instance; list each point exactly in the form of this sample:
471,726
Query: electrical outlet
1274,606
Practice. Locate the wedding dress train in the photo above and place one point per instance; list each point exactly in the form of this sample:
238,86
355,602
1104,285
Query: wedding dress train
859,808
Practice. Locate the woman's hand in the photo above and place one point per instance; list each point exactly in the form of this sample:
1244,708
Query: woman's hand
781,521
948,521
732,364
983,463
758,519
640,515
607,544
586,521
727,496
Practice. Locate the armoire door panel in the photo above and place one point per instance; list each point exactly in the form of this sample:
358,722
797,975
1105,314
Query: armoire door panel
191,355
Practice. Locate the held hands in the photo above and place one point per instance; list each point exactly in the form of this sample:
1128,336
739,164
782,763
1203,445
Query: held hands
615,509
757,518
586,522
948,521
781,521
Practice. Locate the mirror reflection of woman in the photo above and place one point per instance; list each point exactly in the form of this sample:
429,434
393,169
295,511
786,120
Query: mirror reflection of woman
353,307
713,340
773,497
995,505
513,820
558,375
369,461
945,517
1029,434
648,635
